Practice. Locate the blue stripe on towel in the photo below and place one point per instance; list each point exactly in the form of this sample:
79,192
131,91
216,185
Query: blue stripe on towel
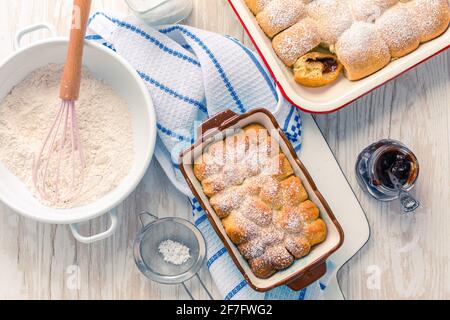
302,294
175,165
215,257
171,133
258,65
296,128
109,46
293,131
214,61
93,37
288,119
98,38
197,207
238,288
145,35
200,220
173,93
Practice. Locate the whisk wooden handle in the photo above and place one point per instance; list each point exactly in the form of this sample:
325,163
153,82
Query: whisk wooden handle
71,79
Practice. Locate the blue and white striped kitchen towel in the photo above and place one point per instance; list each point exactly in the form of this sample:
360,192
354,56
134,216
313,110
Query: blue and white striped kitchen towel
192,74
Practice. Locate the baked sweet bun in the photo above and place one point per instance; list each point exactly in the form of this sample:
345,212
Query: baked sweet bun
262,267
431,16
369,33
296,41
333,17
362,51
279,15
317,69
399,30
256,6
369,10
279,257
208,165
315,232
298,246
240,229
267,215
289,192
227,201
256,210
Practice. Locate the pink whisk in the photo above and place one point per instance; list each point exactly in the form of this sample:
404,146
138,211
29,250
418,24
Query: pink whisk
63,143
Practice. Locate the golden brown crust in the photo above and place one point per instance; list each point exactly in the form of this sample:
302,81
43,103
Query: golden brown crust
369,10
362,51
252,249
279,167
279,257
316,231
270,193
290,219
266,212
213,185
225,202
394,28
254,209
317,69
206,166
333,17
293,192
279,15
432,17
296,41
399,31
309,211
254,128
256,6
262,267
238,229
298,246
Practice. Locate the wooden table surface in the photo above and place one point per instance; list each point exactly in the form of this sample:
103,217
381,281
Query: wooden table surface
406,257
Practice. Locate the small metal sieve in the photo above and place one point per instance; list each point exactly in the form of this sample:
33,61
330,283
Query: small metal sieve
151,262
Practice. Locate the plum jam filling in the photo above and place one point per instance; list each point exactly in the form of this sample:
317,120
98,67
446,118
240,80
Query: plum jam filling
329,64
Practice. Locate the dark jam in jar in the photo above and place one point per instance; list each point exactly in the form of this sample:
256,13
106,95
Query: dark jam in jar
393,162
385,167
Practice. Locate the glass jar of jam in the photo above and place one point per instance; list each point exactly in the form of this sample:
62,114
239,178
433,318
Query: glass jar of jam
388,170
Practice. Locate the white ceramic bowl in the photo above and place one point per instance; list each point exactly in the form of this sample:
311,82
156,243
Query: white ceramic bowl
121,76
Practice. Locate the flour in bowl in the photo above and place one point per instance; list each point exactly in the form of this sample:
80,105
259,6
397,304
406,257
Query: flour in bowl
28,111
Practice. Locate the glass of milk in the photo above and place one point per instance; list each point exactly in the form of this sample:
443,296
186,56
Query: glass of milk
159,12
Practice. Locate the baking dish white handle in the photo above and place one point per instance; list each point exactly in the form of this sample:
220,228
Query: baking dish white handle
101,236
20,34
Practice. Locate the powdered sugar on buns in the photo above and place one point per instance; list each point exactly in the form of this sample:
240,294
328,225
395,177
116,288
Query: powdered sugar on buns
296,41
362,50
333,18
369,10
431,17
279,15
398,24
397,27
260,209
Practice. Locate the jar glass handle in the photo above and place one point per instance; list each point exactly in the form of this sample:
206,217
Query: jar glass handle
408,203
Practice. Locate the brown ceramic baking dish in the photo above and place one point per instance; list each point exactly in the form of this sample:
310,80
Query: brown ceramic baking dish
304,271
